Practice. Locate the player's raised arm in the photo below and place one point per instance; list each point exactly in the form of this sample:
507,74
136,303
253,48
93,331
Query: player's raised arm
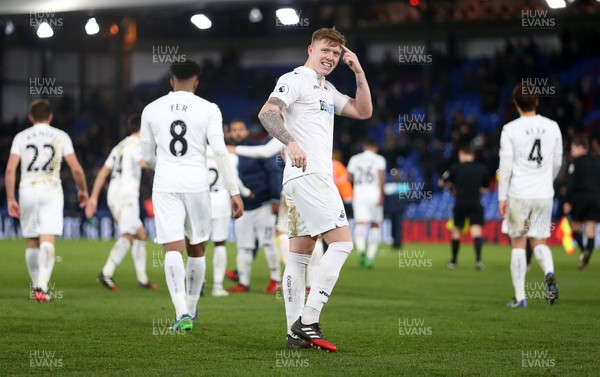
361,106
79,177
10,178
92,204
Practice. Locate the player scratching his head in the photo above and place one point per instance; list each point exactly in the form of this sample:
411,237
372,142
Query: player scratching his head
300,114
530,159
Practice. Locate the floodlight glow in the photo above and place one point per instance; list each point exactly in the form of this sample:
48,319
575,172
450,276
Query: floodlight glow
201,21
91,27
255,15
288,16
555,4
45,30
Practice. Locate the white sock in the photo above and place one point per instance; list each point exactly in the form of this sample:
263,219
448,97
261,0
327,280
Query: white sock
325,278
374,237
272,256
31,258
359,237
544,258
138,253
175,276
219,266
315,258
194,277
293,287
115,257
45,265
284,246
518,269
244,261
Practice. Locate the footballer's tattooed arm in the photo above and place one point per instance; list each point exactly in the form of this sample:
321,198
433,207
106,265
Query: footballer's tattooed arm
271,117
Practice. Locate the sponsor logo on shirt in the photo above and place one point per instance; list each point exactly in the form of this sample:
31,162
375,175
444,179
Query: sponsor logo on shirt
326,107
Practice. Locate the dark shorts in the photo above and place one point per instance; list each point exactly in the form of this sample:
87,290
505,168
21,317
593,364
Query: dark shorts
586,208
472,210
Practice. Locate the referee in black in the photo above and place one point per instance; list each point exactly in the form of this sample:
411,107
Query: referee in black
467,180
583,197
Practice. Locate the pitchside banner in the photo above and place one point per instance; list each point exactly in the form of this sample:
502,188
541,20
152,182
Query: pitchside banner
414,231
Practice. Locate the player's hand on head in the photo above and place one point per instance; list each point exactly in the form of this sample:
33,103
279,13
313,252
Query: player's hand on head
297,155
237,206
351,60
13,208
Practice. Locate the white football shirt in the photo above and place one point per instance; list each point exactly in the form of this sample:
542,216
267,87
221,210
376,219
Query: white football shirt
124,162
365,168
41,149
311,105
530,157
178,126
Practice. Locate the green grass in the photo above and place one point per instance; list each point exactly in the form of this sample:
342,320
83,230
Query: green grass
458,320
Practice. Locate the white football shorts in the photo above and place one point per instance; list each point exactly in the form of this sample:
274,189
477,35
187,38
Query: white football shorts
181,215
314,205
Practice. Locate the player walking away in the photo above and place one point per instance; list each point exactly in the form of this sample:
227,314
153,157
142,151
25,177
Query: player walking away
300,114
583,197
40,149
263,178
367,172
220,210
174,134
124,166
467,180
530,159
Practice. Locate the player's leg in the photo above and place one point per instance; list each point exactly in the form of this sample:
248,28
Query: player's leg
197,232
266,240
539,231
115,257
138,253
170,216
360,229
281,228
517,217
577,234
51,206
459,217
590,230
376,217
477,220
195,270
119,249
294,283
245,238
32,248
220,232
315,258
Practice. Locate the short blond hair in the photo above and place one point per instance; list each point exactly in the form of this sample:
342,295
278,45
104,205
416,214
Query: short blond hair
330,35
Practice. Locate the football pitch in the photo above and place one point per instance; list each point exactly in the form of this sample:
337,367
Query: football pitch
408,316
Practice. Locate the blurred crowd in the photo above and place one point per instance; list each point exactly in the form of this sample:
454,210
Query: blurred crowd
396,89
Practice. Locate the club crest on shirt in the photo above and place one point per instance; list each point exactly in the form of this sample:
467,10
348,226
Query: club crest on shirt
282,89
326,106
